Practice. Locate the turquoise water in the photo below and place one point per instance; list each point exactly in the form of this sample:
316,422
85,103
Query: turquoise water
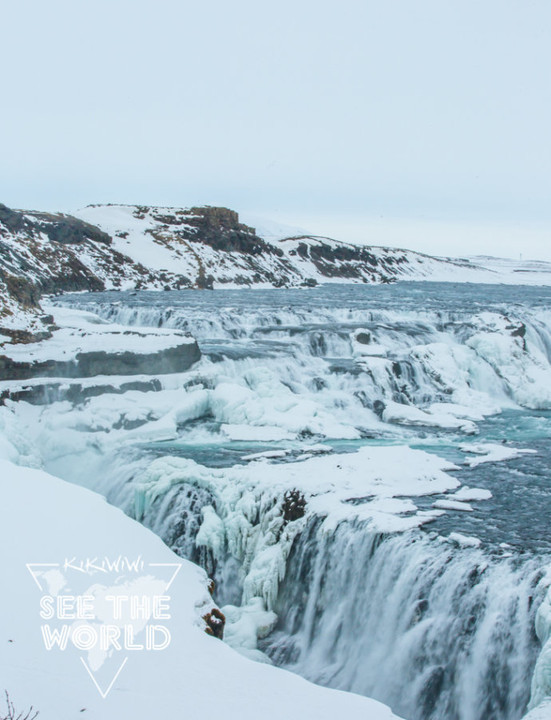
258,326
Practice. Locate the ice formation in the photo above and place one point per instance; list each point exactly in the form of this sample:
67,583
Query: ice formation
284,458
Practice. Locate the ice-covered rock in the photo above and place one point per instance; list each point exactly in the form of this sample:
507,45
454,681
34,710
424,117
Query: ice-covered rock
85,346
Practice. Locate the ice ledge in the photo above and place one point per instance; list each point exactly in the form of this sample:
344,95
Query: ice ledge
85,346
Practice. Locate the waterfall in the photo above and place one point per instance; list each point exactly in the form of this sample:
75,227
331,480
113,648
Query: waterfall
435,632
480,358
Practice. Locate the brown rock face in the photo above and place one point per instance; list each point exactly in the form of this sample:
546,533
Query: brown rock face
25,292
294,506
220,228
216,621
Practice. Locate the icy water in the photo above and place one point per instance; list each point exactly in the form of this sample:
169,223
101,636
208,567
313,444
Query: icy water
437,631
417,296
272,323
521,487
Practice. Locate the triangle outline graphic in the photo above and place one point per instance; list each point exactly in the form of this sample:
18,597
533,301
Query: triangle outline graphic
178,567
104,693
29,567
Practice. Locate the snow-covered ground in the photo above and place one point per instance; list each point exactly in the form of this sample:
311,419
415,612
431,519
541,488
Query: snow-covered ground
46,520
516,272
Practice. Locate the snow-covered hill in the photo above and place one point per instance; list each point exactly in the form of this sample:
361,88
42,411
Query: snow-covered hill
209,247
133,246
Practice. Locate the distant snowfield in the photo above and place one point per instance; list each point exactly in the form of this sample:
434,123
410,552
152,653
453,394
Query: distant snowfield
516,272
498,269
196,676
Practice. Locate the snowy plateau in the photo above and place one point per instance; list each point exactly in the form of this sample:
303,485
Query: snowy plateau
319,490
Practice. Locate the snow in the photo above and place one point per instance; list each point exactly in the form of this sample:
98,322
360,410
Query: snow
211,533
317,449
457,411
465,540
196,674
267,455
83,332
410,415
490,453
136,233
160,253
270,229
540,712
517,272
139,244
246,625
468,494
452,505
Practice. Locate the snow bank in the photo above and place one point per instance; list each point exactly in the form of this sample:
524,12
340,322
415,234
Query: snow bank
410,415
452,505
196,676
465,540
468,494
541,712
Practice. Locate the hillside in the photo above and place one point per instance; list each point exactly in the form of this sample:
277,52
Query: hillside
137,247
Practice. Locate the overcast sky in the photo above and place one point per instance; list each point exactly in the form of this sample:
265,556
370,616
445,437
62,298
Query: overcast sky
421,123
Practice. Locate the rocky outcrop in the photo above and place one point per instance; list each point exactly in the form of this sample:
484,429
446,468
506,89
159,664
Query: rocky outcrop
215,622
64,229
294,506
22,290
220,229
43,253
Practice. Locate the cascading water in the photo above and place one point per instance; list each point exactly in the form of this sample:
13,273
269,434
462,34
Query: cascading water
436,630
432,631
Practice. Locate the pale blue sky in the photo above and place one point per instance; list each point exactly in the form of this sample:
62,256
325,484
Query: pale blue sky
423,123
